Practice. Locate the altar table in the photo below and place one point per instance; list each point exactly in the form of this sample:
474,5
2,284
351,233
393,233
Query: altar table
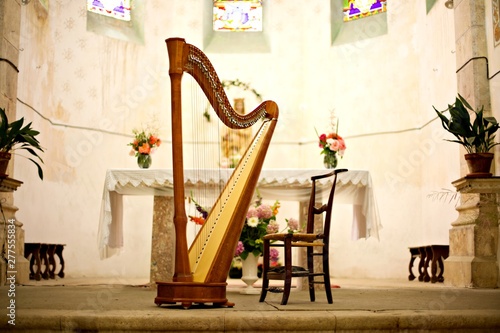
353,187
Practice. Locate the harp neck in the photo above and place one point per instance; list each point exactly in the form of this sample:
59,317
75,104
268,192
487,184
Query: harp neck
188,58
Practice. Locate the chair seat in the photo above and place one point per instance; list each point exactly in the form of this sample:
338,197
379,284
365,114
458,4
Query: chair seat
296,237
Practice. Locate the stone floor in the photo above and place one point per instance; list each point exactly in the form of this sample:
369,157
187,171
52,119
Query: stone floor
117,305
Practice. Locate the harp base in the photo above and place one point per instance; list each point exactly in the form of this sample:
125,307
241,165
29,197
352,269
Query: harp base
188,293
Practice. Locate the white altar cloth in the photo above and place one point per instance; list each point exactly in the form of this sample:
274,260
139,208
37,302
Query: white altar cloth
353,187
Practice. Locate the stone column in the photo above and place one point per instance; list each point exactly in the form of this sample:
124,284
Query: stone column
471,55
302,283
163,241
473,260
13,263
10,24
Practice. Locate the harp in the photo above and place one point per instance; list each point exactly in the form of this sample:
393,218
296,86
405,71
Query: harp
201,271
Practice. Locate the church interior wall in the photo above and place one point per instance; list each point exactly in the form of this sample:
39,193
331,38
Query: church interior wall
86,92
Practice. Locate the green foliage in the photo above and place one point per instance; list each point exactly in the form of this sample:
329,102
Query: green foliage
15,136
476,136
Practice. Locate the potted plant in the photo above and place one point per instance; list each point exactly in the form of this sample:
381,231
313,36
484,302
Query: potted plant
14,136
475,135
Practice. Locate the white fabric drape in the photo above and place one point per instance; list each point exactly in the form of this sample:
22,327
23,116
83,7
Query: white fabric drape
353,187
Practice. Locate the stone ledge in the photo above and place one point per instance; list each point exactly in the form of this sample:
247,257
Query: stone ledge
254,321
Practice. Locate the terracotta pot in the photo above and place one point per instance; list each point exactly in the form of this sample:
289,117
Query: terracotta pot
479,164
4,163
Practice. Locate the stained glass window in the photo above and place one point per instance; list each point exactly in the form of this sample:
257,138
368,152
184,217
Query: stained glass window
118,9
355,9
237,15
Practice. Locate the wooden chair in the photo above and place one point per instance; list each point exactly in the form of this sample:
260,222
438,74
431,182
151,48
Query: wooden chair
315,242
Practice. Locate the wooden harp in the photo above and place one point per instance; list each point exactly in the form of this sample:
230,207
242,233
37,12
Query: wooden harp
201,271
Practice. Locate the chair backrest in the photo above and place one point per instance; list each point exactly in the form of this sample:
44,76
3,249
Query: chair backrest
313,210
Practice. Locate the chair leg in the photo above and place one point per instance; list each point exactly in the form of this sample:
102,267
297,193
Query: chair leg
326,276
288,270
265,269
310,278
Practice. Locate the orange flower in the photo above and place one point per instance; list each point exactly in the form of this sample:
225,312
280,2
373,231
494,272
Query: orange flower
332,136
145,148
198,220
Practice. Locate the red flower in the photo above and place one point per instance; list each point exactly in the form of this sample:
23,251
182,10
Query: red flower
154,140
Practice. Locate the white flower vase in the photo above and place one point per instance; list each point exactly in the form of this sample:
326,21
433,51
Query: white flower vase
249,271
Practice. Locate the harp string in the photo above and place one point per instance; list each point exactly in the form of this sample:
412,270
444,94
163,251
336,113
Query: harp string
206,161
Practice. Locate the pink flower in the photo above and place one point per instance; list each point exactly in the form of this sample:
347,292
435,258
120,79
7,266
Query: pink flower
239,249
264,212
274,254
252,212
333,144
273,227
293,224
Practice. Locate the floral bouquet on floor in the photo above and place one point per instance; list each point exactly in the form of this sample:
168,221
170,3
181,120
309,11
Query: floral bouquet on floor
145,143
261,220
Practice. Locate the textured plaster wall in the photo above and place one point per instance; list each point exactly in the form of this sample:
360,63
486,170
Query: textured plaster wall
86,92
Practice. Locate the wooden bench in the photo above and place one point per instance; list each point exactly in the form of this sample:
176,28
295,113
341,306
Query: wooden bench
428,254
42,254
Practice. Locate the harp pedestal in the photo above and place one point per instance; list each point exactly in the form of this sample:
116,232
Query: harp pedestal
188,293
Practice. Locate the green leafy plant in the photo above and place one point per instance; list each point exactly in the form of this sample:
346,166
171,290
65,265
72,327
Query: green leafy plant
15,136
476,136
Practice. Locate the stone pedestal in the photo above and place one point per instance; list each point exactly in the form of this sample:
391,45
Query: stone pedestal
474,250
13,263
163,249
302,283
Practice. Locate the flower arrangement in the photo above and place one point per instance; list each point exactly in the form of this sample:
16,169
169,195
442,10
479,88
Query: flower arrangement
145,142
331,144
199,220
261,220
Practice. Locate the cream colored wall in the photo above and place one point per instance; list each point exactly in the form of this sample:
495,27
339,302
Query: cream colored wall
83,86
